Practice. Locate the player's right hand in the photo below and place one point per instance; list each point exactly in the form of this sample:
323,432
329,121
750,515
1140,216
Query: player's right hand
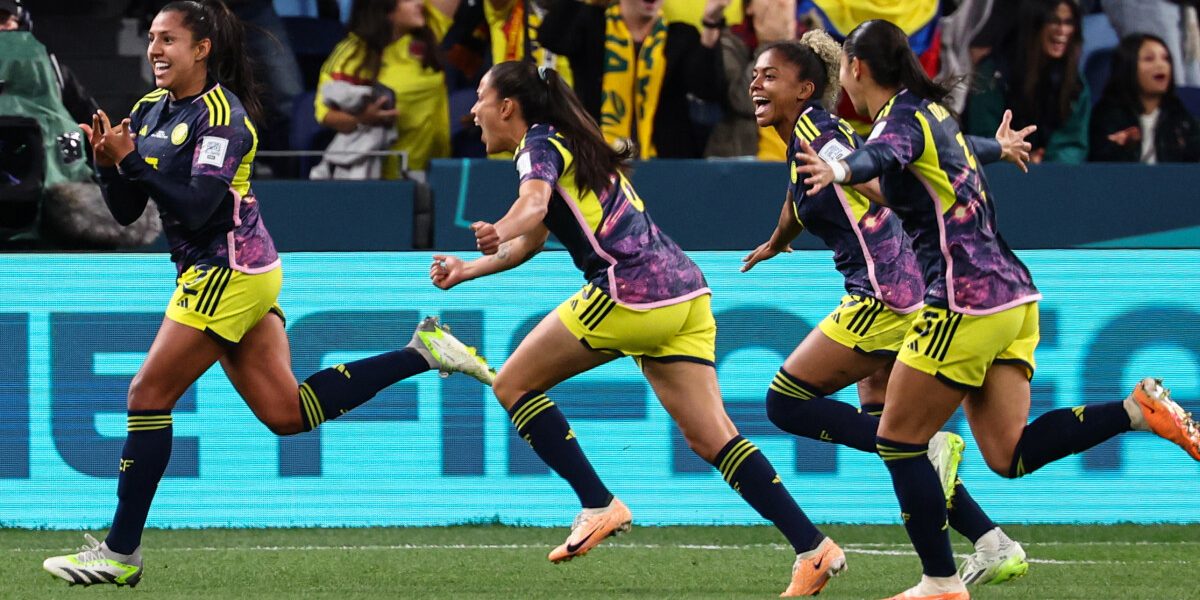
95,136
447,271
764,251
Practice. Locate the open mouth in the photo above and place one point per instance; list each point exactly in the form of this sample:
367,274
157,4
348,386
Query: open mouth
1058,44
160,68
761,105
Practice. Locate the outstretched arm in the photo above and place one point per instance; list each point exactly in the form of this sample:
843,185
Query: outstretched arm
449,271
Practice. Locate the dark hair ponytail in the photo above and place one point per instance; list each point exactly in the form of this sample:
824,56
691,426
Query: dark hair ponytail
545,98
884,48
228,61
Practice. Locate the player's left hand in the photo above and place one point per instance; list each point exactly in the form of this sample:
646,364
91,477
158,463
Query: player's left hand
764,251
813,168
1013,147
115,142
487,239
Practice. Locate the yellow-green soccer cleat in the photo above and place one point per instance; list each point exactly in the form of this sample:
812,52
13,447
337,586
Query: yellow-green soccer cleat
447,354
996,559
945,452
95,563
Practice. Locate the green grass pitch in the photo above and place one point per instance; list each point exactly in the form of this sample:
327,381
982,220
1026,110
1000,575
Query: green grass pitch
1084,562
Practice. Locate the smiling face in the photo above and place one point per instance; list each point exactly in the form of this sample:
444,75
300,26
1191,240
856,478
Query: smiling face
1057,31
851,84
178,61
777,91
1153,69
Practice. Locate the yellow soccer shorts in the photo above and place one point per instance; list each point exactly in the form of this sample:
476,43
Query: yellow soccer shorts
224,303
679,332
867,325
959,349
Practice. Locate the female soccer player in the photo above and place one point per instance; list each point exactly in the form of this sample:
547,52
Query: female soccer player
974,339
790,81
193,153
643,298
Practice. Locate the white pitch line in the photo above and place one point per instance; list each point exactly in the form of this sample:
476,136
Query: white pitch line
850,548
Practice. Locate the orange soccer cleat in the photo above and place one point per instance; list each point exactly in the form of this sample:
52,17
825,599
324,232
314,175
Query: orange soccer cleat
592,526
1164,417
809,575
911,595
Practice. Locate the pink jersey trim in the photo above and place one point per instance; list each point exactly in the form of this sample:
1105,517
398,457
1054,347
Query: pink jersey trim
862,243
950,296
231,239
612,262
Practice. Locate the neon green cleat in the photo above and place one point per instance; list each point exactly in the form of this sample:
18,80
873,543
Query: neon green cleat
997,559
945,452
447,354
95,563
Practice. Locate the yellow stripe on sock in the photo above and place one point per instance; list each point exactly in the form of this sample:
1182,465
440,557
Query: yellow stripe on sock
529,415
521,412
304,407
738,463
146,427
150,419
733,452
790,389
313,406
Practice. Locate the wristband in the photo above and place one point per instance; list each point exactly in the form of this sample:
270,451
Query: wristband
840,174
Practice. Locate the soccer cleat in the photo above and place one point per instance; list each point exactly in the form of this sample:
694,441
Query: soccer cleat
996,559
95,563
945,452
447,353
1164,417
592,526
912,595
809,575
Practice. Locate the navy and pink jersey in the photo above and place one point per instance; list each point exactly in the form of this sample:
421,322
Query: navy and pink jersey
869,245
610,236
211,135
933,180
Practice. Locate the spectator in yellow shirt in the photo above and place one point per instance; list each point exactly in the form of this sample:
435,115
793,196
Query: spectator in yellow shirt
394,43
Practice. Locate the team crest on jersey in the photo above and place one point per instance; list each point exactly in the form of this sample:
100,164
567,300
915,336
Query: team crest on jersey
179,134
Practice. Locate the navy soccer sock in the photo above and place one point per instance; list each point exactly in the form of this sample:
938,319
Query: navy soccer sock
798,408
333,392
539,422
922,504
750,474
875,409
143,461
966,516
1066,431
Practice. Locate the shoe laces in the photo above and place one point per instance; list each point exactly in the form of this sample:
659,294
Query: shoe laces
91,550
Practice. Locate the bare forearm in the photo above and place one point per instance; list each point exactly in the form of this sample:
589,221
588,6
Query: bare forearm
788,227
340,120
512,253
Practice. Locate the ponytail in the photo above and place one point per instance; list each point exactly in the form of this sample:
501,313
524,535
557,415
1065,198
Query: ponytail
545,98
228,62
884,48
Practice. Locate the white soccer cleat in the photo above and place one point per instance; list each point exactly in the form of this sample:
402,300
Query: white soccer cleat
996,559
447,353
95,563
945,452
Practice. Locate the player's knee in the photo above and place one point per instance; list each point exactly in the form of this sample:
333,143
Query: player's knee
1003,465
283,424
145,394
508,390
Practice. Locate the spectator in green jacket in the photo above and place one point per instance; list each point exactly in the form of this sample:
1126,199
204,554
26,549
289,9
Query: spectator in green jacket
1036,74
